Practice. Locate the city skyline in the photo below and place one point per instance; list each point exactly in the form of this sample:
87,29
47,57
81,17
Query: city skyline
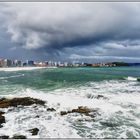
89,32
5,63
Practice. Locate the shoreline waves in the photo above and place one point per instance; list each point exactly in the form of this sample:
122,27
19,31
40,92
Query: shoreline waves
75,103
115,115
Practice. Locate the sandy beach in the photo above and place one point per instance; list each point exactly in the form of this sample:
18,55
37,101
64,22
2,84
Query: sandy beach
21,68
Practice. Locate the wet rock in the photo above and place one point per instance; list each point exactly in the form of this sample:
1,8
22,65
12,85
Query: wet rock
1,99
2,119
96,96
19,137
63,113
25,101
101,97
1,113
51,109
82,110
34,131
35,106
4,137
37,116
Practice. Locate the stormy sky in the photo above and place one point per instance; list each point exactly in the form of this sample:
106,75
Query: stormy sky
88,31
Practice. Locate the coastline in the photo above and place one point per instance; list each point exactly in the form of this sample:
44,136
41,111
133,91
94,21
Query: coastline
22,68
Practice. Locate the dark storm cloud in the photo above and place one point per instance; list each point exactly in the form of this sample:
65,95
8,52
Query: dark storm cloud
74,30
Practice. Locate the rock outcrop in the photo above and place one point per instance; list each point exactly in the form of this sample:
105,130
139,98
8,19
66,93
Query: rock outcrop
19,137
82,110
51,109
34,131
4,137
24,101
101,97
2,119
63,113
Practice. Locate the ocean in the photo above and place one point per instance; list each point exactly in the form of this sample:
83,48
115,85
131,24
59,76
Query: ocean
114,92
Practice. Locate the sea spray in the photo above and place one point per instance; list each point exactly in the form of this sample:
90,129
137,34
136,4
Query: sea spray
116,101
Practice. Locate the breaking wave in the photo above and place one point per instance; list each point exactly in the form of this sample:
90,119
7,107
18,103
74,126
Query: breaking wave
117,103
131,78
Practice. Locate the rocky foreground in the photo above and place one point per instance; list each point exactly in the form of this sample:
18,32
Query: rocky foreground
27,101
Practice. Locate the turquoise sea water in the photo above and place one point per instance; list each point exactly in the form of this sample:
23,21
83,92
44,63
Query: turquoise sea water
68,88
50,79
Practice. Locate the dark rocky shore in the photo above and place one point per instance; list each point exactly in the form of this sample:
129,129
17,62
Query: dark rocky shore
15,102
27,101
82,110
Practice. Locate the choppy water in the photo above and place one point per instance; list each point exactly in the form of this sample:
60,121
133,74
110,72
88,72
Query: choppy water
66,89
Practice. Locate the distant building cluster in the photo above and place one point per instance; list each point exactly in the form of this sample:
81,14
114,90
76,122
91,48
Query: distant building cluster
13,63
31,63
104,65
19,63
9,63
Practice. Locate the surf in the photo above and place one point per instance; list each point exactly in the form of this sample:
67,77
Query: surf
121,104
130,78
13,76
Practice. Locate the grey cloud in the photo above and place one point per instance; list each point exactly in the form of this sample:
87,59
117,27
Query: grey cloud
51,24
62,29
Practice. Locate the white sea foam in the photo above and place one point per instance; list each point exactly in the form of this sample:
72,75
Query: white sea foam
131,78
13,76
19,121
118,112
